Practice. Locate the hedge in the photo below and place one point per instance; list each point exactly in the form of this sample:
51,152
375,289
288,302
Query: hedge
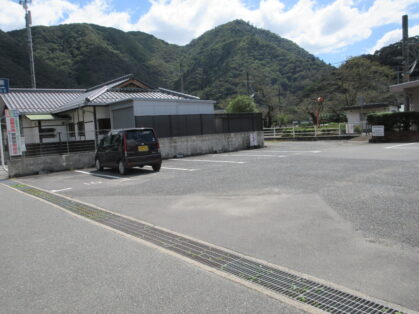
394,121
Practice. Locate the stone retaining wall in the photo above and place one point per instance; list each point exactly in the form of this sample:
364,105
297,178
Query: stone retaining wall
170,147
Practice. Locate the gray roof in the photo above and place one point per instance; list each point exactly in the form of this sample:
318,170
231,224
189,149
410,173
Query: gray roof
29,101
91,94
115,96
367,106
39,100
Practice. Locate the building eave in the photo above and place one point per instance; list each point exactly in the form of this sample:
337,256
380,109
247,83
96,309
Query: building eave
400,88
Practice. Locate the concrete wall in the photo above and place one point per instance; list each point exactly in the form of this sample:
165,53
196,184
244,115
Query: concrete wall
35,165
353,117
170,147
208,144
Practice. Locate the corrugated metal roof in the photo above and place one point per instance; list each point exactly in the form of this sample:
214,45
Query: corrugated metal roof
109,97
29,101
90,95
39,100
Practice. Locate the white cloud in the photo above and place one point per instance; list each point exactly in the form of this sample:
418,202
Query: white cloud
316,27
179,21
52,12
319,29
11,15
393,37
101,13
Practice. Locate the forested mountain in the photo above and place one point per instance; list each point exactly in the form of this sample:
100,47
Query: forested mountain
234,58
82,55
215,65
237,57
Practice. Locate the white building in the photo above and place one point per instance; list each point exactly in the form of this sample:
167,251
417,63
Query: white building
55,115
357,115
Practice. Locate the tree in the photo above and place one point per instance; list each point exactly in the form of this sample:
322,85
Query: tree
241,103
369,80
282,119
357,79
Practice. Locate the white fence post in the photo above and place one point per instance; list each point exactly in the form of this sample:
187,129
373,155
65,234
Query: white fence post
315,131
339,129
293,131
274,132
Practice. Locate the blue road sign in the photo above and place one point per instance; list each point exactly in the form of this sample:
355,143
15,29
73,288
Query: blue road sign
4,85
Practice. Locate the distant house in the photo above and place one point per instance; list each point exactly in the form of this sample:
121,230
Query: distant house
411,90
55,115
357,115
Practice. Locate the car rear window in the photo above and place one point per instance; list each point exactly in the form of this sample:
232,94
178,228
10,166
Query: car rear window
140,137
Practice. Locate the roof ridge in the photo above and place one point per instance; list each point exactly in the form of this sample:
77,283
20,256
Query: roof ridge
127,76
14,89
169,91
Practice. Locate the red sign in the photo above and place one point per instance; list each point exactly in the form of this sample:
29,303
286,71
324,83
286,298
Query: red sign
13,132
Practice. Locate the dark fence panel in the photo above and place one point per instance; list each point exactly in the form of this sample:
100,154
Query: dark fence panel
208,123
186,125
58,148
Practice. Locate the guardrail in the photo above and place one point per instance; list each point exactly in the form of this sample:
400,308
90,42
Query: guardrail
309,132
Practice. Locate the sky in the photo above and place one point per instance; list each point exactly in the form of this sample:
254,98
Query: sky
333,30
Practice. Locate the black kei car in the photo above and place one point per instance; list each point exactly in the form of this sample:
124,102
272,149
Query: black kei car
127,148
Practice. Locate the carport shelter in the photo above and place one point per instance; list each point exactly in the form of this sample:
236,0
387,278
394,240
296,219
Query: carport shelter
51,115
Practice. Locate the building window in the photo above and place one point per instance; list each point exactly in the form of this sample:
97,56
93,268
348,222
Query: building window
47,133
80,128
104,125
71,129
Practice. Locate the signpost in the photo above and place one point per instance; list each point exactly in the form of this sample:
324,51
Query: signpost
378,130
4,85
13,132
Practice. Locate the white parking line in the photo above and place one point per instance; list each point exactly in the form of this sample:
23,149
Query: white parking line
101,175
296,151
55,191
181,169
256,155
400,145
206,160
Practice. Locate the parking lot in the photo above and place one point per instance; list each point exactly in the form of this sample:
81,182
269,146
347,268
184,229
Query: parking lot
343,211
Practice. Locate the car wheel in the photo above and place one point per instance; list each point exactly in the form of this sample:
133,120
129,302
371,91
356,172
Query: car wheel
98,165
121,168
156,167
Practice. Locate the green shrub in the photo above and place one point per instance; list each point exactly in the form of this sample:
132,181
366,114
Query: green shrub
241,103
395,121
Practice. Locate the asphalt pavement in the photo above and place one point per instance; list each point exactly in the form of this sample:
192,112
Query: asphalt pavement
346,212
52,262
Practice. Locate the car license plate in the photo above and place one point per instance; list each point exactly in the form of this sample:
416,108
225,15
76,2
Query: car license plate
143,148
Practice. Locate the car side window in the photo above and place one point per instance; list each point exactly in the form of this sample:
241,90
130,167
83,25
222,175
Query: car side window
106,141
116,139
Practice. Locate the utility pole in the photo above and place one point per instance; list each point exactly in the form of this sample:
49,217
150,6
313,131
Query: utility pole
247,83
182,85
405,52
28,20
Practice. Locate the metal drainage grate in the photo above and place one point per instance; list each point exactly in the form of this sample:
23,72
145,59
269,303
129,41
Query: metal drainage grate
303,290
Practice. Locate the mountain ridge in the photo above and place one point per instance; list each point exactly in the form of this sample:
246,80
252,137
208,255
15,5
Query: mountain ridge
82,55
